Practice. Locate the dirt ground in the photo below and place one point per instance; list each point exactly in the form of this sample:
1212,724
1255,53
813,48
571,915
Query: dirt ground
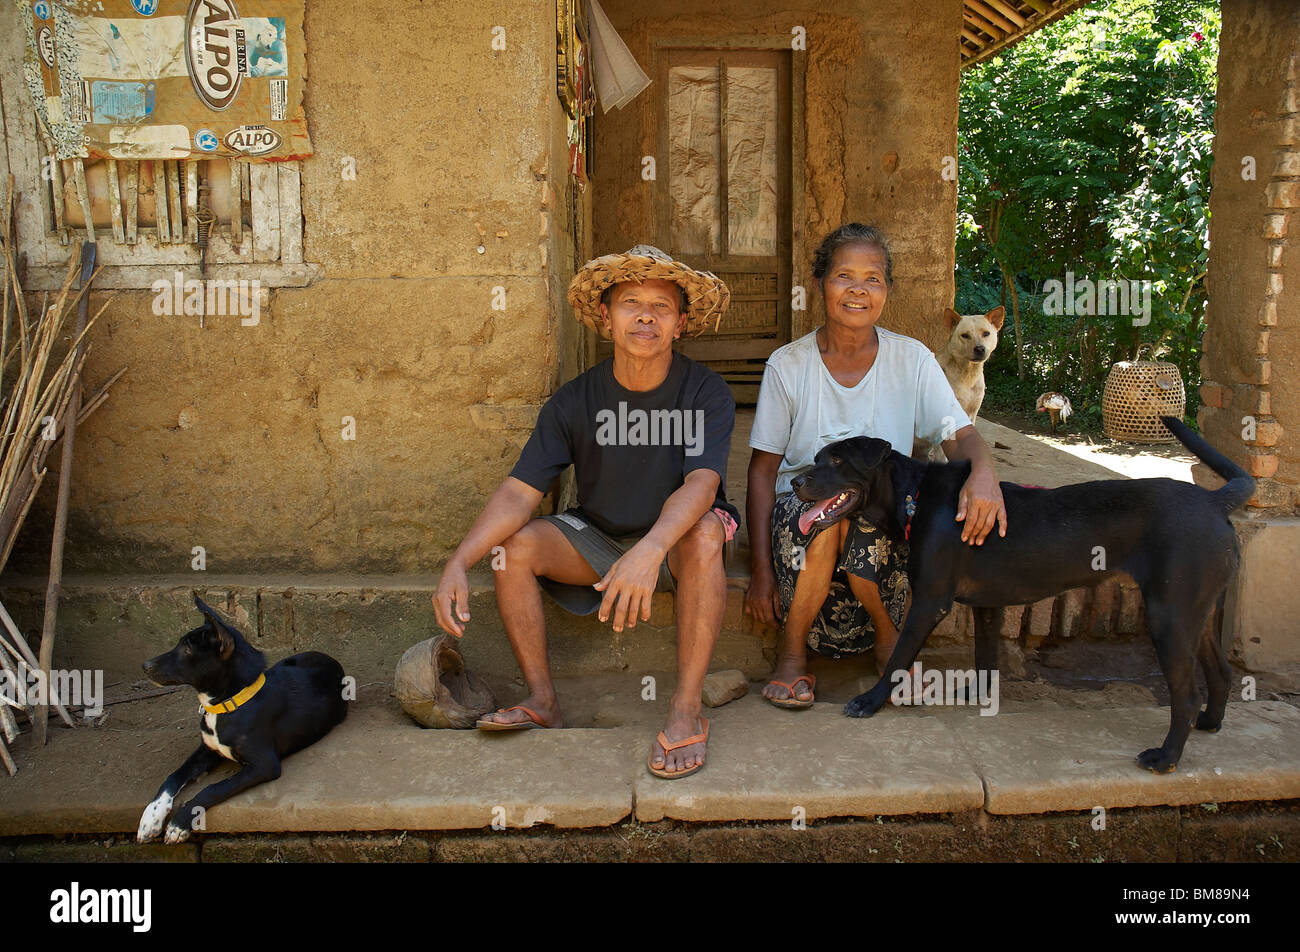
1135,460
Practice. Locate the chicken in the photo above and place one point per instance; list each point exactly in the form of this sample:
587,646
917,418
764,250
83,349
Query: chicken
1057,406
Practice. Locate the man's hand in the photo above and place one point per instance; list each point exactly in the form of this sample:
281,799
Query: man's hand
980,505
505,514
451,600
629,585
762,600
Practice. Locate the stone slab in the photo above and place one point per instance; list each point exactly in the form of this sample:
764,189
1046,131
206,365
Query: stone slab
764,762
1050,760
370,773
378,772
444,780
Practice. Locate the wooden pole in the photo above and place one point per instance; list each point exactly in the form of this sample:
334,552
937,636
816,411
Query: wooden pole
6,759
22,653
65,490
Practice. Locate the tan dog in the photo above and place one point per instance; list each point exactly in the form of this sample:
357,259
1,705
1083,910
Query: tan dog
973,339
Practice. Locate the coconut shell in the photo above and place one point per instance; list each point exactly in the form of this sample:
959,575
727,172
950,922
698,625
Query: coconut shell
435,688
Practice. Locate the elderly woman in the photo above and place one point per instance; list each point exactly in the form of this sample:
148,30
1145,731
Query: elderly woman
844,590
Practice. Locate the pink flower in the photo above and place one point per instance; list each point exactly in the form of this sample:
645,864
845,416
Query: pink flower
1197,36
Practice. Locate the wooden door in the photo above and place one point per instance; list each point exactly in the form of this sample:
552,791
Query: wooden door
732,216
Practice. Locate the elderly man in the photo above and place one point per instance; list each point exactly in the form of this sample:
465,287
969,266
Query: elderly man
648,432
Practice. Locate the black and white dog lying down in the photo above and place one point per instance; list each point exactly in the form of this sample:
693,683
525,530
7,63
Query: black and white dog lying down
251,715
1173,538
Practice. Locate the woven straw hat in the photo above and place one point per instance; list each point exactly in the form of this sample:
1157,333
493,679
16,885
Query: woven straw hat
707,293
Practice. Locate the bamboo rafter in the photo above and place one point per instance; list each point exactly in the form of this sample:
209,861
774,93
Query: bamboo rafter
989,26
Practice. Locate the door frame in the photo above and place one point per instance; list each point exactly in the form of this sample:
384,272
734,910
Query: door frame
800,321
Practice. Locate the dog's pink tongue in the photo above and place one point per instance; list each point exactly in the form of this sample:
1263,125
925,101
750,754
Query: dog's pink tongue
813,514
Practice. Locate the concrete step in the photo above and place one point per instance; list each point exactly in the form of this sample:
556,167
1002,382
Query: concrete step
377,771
113,623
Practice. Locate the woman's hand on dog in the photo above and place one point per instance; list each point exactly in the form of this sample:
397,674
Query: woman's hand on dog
981,507
451,600
629,585
761,599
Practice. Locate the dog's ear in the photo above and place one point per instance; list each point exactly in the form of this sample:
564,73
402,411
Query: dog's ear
879,500
996,316
869,452
224,639
951,317
879,452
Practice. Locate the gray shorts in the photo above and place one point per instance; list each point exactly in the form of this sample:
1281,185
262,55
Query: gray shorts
601,552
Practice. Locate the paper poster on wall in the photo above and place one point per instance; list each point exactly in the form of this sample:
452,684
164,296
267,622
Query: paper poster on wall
694,142
169,79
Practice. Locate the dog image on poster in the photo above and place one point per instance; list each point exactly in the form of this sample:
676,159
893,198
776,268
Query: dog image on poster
266,50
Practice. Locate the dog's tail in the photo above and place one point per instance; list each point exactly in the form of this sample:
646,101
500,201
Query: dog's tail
1239,487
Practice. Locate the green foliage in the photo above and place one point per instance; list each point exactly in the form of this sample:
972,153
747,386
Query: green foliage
1086,148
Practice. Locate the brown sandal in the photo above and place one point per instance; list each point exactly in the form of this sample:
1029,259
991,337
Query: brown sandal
792,701
533,721
667,745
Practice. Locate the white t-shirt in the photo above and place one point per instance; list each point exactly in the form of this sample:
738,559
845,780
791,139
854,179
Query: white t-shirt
801,407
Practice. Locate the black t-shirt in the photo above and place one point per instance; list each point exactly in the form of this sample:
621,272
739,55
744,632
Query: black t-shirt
632,450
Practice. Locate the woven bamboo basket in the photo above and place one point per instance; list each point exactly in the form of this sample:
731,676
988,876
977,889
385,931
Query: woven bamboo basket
1138,393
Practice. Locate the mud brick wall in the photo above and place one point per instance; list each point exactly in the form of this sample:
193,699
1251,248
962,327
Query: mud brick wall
229,437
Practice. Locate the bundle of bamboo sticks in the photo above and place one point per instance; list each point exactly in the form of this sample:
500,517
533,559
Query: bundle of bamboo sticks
34,402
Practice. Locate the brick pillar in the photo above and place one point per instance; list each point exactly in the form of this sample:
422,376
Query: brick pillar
1251,358
1251,351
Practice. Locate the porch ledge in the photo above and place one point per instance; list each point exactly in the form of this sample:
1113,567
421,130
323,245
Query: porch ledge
377,771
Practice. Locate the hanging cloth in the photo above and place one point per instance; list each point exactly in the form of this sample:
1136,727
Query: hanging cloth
618,77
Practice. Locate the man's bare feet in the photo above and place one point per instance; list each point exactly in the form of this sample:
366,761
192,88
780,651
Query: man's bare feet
546,708
789,669
681,724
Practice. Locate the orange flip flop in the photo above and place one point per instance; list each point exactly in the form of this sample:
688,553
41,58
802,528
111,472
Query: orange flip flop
533,721
793,701
702,737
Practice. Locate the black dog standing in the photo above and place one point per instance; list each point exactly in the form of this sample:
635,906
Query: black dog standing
1172,537
251,715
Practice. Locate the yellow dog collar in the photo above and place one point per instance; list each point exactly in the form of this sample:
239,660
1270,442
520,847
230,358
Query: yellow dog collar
225,707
